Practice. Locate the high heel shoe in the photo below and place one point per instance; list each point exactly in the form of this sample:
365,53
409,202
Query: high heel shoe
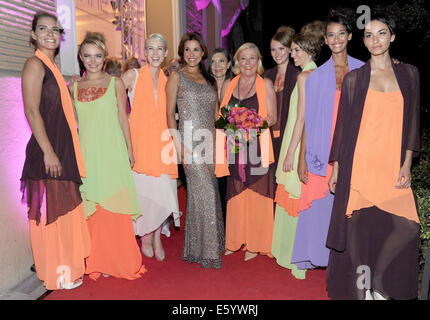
250,255
378,296
71,285
147,249
159,253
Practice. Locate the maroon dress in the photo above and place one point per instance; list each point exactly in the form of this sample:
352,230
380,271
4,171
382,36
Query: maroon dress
62,193
262,183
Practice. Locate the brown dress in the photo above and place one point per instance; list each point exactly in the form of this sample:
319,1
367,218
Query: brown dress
250,203
58,231
374,244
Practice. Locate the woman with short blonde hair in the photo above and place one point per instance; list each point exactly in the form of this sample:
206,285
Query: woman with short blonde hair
249,218
247,45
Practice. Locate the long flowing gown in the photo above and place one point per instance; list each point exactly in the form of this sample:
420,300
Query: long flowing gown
383,223
58,233
288,195
204,227
250,201
322,101
156,184
108,190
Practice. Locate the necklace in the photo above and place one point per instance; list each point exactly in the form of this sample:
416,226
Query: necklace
238,89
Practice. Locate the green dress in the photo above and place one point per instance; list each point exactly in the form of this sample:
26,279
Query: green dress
284,230
109,181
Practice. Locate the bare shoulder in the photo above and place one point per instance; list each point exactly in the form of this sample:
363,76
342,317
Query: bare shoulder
268,82
119,84
303,76
129,74
173,78
33,64
226,83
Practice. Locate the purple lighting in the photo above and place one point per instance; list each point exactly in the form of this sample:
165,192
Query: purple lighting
14,136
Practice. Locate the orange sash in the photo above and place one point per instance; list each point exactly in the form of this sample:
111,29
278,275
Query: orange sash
67,104
148,128
267,157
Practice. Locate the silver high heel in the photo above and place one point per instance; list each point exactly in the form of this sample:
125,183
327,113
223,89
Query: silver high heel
71,285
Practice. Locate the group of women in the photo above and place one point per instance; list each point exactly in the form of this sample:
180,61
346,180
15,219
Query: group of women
329,186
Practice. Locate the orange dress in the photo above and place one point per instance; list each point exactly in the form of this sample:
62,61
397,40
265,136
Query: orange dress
376,164
58,232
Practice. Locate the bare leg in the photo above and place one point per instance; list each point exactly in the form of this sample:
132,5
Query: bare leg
147,245
158,247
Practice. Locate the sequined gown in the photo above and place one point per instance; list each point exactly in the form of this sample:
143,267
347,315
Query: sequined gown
204,238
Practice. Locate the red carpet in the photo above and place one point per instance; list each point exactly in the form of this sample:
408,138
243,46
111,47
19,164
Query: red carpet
174,279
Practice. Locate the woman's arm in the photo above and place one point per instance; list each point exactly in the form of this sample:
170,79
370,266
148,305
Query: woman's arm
271,102
171,97
129,78
333,178
71,90
404,180
32,79
299,125
223,90
302,166
121,98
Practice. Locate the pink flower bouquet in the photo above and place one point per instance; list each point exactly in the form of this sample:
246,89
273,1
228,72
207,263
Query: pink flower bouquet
241,122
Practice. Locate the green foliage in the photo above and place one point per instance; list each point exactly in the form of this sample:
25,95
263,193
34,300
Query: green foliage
421,171
421,186
423,197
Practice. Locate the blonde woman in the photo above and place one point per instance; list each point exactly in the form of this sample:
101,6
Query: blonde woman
108,190
250,186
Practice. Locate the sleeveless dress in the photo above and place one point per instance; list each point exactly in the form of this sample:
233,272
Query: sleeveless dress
250,203
55,211
157,190
204,228
108,190
288,194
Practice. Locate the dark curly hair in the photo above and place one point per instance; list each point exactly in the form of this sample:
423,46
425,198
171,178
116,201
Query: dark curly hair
386,15
343,16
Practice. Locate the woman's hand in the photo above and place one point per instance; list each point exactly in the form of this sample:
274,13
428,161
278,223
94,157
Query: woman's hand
75,78
302,170
53,166
333,178
405,179
131,158
287,165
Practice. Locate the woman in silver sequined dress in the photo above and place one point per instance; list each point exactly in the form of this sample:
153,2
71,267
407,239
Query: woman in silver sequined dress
194,90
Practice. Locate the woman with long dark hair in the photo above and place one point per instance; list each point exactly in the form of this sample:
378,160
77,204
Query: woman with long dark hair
219,66
53,166
374,229
194,90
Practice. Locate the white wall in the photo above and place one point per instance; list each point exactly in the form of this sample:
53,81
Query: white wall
15,251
